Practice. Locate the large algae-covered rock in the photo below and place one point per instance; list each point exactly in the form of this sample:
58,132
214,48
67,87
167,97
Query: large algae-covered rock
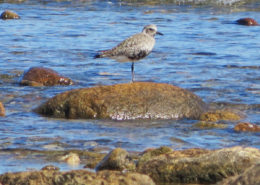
140,100
197,165
51,177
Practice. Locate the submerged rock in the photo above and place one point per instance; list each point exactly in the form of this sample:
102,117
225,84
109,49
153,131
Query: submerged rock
52,177
219,115
2,109
39,76
7,14
209,125
247,22
139,100
247,127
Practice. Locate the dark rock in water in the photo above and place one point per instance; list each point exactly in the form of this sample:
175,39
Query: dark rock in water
247,22
9,15
247,127
52,177
39,76
2,109
250,177
139,100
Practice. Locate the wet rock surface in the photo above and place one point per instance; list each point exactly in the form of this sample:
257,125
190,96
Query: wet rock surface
7,14
164,165
39,76
74,177
2,109
139,100
247,22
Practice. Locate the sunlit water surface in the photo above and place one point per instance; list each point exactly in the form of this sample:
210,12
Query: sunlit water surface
202,50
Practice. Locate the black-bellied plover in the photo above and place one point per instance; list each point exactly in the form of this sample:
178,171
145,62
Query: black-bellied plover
133,48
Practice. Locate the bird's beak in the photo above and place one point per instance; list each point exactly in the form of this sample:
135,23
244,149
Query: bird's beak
159,33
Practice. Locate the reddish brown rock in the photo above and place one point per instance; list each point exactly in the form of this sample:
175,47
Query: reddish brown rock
247,127
2,110
247,22
7,14
39,76
139,100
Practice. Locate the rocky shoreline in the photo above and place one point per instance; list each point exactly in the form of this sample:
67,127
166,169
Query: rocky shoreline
152,166
134,101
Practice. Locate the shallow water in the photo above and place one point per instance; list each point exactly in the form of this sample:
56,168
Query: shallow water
202,50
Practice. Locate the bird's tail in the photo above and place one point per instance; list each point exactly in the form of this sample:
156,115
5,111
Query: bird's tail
98,56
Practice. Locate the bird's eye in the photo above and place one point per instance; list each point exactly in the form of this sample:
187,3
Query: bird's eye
150,29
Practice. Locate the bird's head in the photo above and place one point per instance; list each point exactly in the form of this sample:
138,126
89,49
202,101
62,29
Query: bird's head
151,30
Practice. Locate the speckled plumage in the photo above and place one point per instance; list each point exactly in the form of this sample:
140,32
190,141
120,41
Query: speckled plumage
133,48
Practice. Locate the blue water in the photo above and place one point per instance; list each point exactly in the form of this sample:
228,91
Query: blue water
202,50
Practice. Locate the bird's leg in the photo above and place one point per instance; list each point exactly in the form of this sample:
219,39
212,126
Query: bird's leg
132,70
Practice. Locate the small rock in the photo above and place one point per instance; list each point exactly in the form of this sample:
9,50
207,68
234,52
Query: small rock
7,14
247,127
219,115
51,167
2,109
72,159
117,159
39,76
247,22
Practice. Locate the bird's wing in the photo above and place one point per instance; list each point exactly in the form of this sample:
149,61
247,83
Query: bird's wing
138,43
